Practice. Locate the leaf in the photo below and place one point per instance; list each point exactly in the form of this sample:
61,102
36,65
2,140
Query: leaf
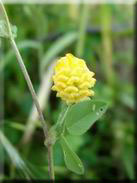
83,115
128,160
72,161
4,30
21,46
14,156
75,141
17,126
14,30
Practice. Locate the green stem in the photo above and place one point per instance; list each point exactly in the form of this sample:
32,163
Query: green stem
32,91
63,116
30,86
63,108
60,125
60,122
51,162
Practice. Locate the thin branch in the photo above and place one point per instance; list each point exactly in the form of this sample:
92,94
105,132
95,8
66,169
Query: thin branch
43,94
32,91
27,78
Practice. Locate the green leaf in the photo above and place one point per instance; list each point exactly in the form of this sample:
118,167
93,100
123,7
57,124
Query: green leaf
128,160
83,115
4,30
14,156
72,161
75,141
17,126
14,30
21,46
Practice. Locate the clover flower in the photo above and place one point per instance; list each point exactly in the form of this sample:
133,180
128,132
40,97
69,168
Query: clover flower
72,79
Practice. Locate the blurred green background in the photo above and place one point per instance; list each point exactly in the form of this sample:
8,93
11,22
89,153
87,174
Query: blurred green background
103,36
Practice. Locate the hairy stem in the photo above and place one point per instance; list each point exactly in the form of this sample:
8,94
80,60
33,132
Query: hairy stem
32,91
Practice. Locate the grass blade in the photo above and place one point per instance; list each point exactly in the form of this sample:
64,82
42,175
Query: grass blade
14,156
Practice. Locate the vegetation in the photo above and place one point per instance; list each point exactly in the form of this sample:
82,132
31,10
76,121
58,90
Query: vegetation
103,36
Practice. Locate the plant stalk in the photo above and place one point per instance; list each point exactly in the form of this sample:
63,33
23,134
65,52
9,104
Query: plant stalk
51,162
32,91
63,115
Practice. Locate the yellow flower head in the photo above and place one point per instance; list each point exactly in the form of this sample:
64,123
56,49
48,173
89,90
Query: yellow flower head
72,79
